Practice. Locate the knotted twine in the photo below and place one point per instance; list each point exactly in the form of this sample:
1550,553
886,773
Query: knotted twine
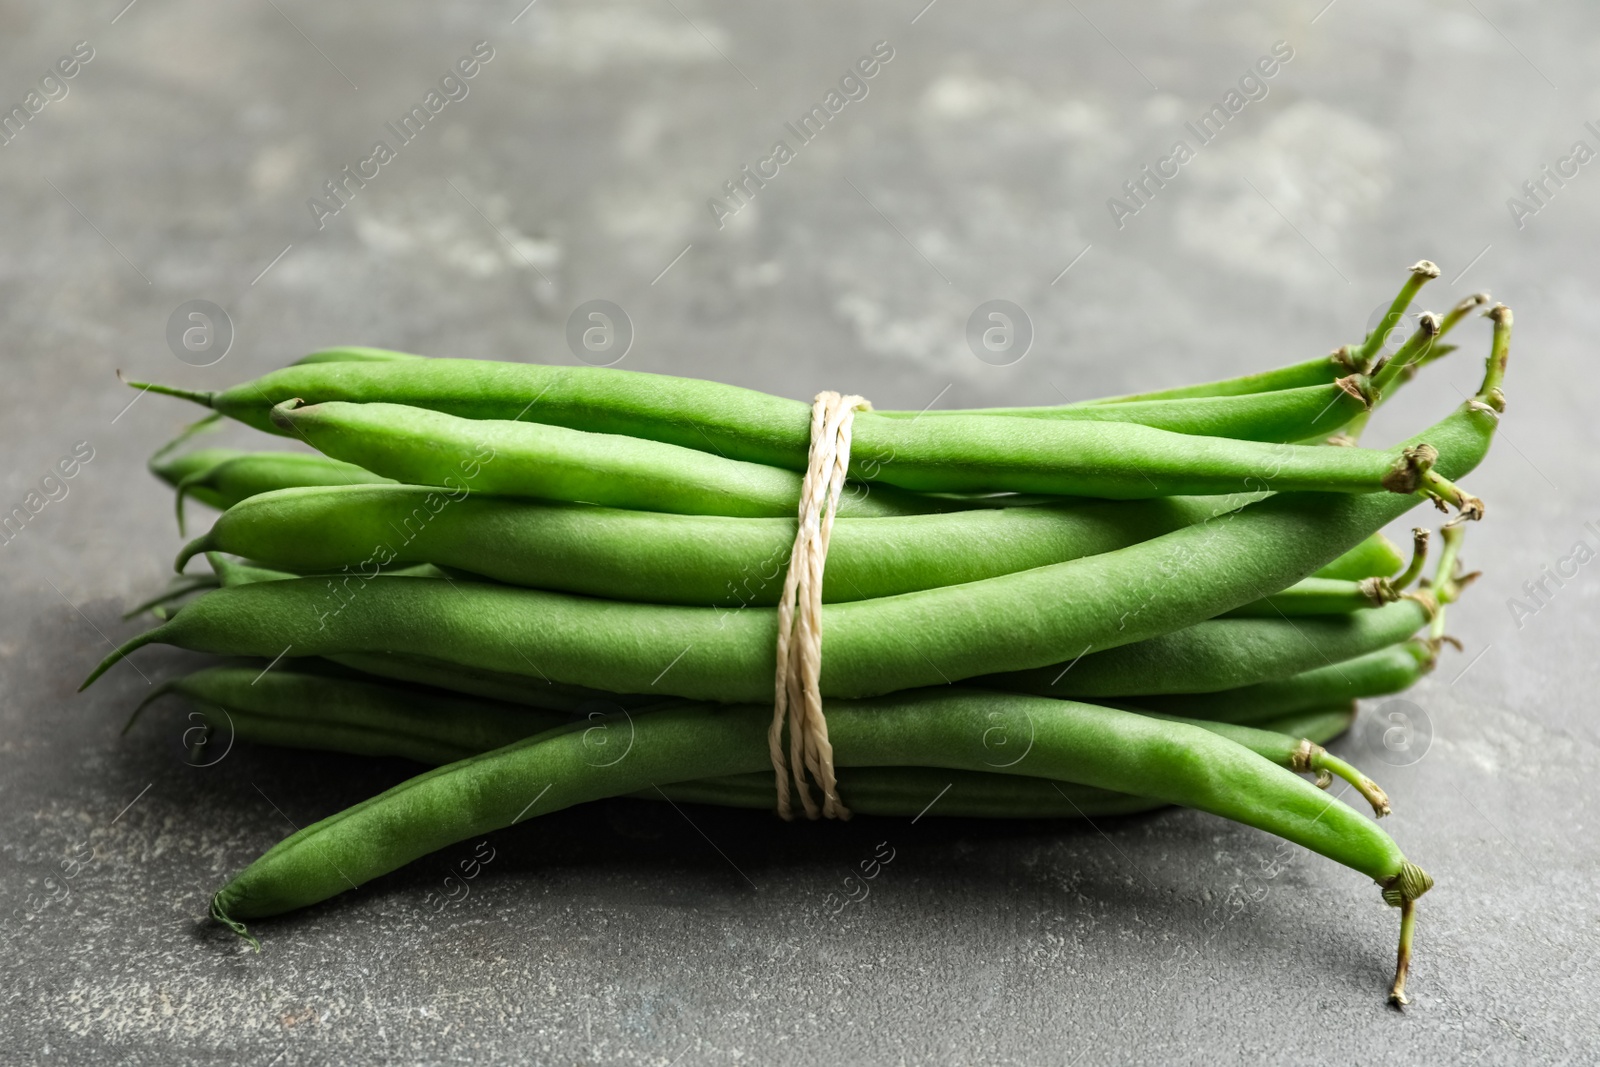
797,698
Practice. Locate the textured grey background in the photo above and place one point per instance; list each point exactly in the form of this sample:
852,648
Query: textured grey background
178,168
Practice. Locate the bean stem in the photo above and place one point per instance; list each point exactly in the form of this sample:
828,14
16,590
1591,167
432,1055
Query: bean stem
1402,965
1422,272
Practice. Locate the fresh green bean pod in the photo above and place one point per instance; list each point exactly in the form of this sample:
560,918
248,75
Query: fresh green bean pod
904,791
1320,370
1012,622
235,572
1222,654
176,470
179,587
1279,415
738,423
1103,460
665,558
231,479
1275,415
1376,557
734,422
702,653
1101,747
1388,670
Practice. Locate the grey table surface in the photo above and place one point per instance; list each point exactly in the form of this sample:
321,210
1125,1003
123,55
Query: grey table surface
585,162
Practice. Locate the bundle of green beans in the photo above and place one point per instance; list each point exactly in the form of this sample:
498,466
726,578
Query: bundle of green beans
557,584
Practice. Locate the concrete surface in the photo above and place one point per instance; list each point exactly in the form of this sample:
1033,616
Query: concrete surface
978,166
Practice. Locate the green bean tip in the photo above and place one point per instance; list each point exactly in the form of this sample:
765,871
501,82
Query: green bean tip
118,654
235,925
280,413
199,396
191,550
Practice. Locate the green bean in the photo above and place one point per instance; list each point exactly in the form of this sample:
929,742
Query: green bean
904,791
709,416
614,553
1319,595
683,411
178,469
1101,747
1012,622
1280,415
706,654
233,572
1320,370
665,558
1105,460
176,589
232,479
1220,654
1376,557
1388,670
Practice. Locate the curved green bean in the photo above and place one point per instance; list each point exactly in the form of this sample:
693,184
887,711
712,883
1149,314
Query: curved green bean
1100,747
904,791
222,477
670,558
660,558
190,465
1278,415
1388,670
1222,654
1103,460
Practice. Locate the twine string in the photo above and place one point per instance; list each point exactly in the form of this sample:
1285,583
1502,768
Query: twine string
797,695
